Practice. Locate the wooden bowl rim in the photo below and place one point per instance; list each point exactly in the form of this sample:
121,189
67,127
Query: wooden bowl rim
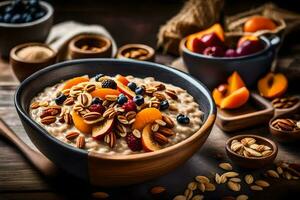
74,48
16,58
47,6
150,55
286,110
273,145
102,156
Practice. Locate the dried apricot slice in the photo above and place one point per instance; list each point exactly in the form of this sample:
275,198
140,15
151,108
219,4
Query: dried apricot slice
122,79
146,116
235,82
235,99
272,85
80,124
74,81
102,92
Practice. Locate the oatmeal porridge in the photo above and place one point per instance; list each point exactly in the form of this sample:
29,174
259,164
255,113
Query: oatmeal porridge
117,115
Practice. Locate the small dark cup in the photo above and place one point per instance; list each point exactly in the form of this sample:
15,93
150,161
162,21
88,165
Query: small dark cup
214,70
35,31
103,44
252,162
22,68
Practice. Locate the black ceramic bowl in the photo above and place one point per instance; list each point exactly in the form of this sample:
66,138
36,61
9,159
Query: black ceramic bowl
100,168
35,31
213,71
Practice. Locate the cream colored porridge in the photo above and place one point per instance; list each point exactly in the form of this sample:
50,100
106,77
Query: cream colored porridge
117,115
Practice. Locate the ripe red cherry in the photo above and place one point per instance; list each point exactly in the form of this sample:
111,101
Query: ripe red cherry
212,39
198,45
230,53
214,51
249,47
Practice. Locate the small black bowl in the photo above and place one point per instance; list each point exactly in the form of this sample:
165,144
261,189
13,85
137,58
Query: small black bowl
100,168
213,71
35,31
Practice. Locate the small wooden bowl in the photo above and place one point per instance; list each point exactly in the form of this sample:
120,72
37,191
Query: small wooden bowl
129,47
294,109
285,136
252,162
103,45
22,69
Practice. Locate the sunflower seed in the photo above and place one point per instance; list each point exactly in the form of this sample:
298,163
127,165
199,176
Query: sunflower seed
198,197
202,179
201,187
262,183
273,174
234,186
236,180
256,188
249,179
230,174
225,166
242,197
209,187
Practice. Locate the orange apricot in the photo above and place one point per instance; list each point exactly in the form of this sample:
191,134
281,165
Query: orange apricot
146,116
259,23
235,82
216,28
74,81
80,124
122,79
219,93
102,92
272,85
236,99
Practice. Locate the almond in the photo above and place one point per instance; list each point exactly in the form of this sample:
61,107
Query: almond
192,186
256,188
72,135
169,121
225,166
202,179
242,197
160,138
249,179
234,186
188,194
80,142
262,183
201,187
48,120
230,174
209,187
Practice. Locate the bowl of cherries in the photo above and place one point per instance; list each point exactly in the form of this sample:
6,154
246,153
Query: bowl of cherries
211,55
23,21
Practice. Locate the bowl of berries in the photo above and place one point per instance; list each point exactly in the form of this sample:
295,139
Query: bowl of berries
211,55
23,21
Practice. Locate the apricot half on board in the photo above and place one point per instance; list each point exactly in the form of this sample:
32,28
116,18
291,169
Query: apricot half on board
272,85
232,95
216,28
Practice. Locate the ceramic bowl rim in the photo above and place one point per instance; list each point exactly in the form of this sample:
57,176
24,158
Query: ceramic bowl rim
141,156
187,51
274,146
47,6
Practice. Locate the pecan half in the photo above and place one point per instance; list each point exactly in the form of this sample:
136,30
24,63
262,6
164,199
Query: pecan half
72,135
160,138
48,120
169,121
172,94
80,142
166,131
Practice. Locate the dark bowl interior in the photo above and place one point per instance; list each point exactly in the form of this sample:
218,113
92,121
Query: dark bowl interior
60,152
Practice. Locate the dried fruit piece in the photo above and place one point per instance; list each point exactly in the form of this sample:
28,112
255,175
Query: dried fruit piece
149,144
272,85
80,124
146,116
134,143
74,81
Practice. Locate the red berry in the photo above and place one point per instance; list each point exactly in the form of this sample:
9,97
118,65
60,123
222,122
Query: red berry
97,108
214,51
134,143
129,106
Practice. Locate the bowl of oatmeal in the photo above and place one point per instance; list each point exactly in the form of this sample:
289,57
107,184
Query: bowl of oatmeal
115,122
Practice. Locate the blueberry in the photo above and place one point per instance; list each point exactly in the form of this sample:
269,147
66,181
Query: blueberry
131,85
164,105
138,100
122,99
39,15
98,76
33,3
16,18
60,99
7,18
97,100
139,91
182,119
28,18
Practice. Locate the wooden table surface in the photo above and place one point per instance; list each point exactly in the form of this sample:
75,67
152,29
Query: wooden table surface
20,180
